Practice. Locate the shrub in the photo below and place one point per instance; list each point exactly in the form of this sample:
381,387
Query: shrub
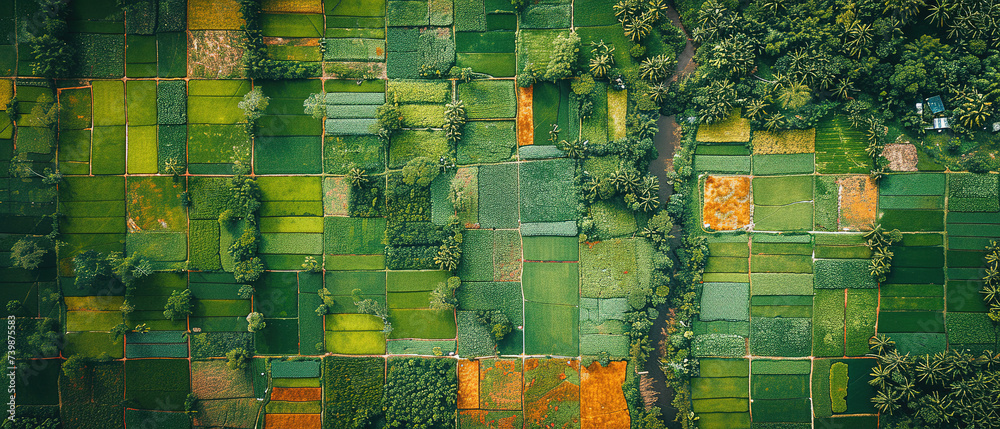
238,359
565,50
498,324
420,171
73,368
248,270
178,305
443,295
255,322
27,254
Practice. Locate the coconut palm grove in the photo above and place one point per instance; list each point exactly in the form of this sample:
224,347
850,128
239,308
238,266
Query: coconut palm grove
430,214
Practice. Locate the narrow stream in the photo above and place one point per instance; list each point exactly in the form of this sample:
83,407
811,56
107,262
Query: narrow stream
667,141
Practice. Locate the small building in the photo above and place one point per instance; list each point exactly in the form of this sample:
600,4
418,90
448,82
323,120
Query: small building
936,104
939,124
920,108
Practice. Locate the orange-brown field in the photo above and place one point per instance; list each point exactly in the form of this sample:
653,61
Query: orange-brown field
500,383
602,402
727,202
552,393
468,384
858,203
293,421
490,419
525,117
297,394
153,207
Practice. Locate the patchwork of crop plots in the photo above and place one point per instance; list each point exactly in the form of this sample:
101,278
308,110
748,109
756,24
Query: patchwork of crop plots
787,302
146,135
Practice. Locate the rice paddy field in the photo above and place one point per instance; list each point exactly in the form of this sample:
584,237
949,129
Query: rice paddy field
146,135
787,302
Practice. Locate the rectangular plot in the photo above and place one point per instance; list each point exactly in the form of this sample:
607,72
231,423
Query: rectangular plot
890,303
551,329
779,386
781,284
722,164
914,321
842,252
802,163
552,283
727,265
913,184
355,343
781,263
551,248
842,273
343,282
911,202
782,190
496,183
860,315
109,103
782,410
420,323
722,387
792,217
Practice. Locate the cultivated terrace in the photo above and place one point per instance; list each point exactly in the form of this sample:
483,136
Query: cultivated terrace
622,214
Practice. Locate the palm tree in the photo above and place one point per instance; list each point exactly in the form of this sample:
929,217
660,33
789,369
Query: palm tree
755,108
772,6
880,376
637,28
941,12
649,202
795,96
929,370
774,122
603,60
975,110
880,344
859,37
844,88
990,292
907,390
656,68
592,187
657,92
904,10
576,149
357,177
886,401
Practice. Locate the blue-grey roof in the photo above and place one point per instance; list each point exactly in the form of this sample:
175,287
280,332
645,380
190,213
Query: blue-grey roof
936,104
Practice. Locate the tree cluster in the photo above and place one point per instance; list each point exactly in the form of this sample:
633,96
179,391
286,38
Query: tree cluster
52,56
443,295
953,389
420,393
255,57
991,281
374,308
498,324
879,240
